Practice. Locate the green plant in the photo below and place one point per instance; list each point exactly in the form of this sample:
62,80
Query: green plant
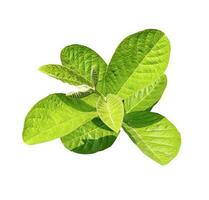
110,96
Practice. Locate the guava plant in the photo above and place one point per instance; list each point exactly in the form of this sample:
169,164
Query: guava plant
109,96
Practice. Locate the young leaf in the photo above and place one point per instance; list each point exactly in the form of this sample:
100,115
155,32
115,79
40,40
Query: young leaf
80,94
83,60
157,137
55,116
140,59
111,111
64,74
147,97
89,138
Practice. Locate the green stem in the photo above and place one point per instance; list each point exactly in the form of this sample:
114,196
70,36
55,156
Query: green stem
100,94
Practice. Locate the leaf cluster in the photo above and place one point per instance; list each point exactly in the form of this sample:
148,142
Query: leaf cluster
109,97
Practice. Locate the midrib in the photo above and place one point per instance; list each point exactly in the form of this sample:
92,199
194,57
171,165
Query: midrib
140,100
121,88
111,119
147,146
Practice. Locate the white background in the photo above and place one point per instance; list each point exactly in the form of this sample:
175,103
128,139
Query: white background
32,33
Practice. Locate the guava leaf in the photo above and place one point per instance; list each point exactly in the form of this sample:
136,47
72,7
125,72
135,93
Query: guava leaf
64,74
80,94
157,137
83,60
89,138
111,111
91,100
147,97
94,77
139,60
55,116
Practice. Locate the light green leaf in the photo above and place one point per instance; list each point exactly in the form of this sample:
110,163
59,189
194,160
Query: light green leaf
55,116
111,111
91,100
92,137
83,60
80,94
157,137
64,74
140,59
146,97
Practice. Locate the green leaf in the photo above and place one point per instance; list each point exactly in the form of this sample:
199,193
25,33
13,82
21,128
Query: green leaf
111,111
140,59
94,77
80,94
83,60
91,100
157,137
92,137
147,97
55,116
64,74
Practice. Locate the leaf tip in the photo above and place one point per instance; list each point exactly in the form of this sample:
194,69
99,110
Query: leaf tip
26,140
42,68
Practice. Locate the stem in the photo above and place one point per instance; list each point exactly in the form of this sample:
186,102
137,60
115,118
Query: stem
100,94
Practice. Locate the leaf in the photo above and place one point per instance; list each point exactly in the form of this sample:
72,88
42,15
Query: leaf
111,111
94,77
80,94
83,91
91,100
83,60
92,137
64,74
147,97
157,137
55,116
139,60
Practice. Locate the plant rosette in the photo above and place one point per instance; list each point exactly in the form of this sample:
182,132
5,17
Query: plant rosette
109,97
